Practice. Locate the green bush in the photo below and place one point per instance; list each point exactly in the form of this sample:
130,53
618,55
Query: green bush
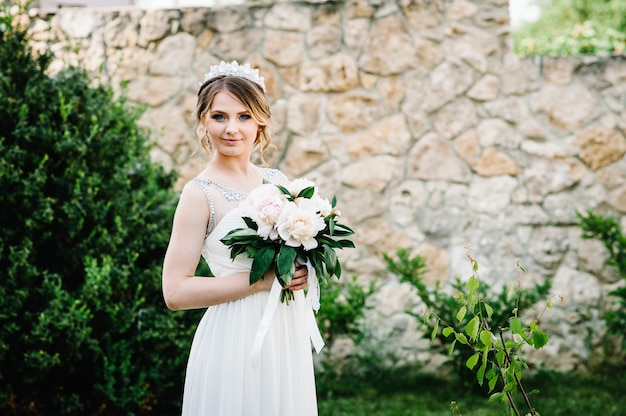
341,313
574,27
608,231
446,304
85,220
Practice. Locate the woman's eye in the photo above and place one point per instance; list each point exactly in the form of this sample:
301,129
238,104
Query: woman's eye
218,117
244,117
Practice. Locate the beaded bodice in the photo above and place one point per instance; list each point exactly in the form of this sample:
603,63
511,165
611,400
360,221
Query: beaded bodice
228,193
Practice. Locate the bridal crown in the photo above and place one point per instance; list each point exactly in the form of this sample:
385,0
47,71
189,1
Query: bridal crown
234,69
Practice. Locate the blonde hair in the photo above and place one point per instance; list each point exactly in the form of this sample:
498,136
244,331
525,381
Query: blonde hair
249,94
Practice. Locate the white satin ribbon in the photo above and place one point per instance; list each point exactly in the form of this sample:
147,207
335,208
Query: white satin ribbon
312,304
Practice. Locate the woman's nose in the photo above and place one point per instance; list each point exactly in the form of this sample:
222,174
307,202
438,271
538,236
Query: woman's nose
231,126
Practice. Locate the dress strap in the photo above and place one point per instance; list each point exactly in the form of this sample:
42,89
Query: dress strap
207,191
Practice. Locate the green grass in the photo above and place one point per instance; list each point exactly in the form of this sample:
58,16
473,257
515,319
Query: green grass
560,394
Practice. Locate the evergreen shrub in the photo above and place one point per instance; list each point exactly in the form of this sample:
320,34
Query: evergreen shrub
85,221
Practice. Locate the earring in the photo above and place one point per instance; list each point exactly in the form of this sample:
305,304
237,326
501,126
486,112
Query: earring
206,142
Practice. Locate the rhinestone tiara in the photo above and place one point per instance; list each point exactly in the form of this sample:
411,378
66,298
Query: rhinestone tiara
234,69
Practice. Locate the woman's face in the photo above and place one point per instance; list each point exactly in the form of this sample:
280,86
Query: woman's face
230,126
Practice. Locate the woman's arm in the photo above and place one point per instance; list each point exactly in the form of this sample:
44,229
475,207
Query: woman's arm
181,288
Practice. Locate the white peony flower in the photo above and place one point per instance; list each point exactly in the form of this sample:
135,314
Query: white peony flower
264,206
299,226
315,204
298,185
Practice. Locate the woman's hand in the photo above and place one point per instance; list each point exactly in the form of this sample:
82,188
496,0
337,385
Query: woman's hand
265,283
300,278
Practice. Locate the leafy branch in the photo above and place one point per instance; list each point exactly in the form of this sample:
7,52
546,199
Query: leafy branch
497,353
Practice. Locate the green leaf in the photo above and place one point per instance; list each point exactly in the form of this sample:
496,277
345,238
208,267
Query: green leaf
451,348
307,192
539,339
516,325
261,263
285,263
488,309
486,337
433,334
472,361
461,338
447,331
461,313
472,328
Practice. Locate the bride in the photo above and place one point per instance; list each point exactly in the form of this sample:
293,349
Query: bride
224,376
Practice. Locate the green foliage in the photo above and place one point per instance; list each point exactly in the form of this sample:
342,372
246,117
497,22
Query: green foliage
85,221
574,27
563,394
498,306
608,231
342,308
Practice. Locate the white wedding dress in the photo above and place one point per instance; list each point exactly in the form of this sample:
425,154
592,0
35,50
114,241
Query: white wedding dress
223,378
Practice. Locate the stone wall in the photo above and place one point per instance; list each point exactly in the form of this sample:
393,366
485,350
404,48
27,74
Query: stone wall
417,114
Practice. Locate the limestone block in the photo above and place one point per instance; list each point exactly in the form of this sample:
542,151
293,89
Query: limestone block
353,34
372,173
600,146
303,113
389,48
559,70
389,136
432,158
617,199
228,19
79,23
461,9
353,110
153,91
565,108
576,286
287,16
455,118
328,15
284,48
406,200
304,154
236,45
323,41
171,130
174,56
491,195
485,89
527,214
359,8
468,147
437,264
379,236
194,21
120,31
155,25
495,163
612,175
495,132
542,177
337,73
391,90
423,14
127,63
510,109
615,72
522,74
445,83
361,204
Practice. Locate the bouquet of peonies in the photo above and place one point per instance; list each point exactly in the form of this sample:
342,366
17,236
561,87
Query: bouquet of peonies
289,223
